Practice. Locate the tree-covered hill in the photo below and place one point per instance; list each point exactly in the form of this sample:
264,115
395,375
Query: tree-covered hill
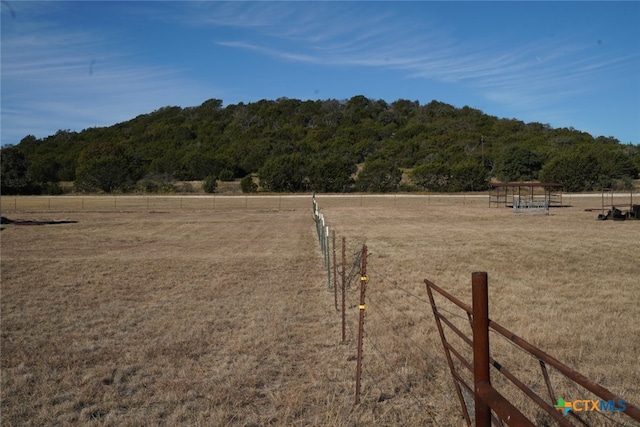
291,145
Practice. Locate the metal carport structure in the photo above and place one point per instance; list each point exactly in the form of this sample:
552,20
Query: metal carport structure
503,193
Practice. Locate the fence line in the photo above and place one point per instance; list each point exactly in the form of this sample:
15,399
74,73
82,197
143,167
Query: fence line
401,376
361,307
90,203
140,202
381,367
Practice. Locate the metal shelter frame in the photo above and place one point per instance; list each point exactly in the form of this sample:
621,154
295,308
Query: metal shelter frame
504,193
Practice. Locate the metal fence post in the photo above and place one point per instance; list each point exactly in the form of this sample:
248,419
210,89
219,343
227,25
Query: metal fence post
344,303
327,256
335,273
480,302
363,288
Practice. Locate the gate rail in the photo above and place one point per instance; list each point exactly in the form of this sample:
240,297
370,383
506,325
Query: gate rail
486,397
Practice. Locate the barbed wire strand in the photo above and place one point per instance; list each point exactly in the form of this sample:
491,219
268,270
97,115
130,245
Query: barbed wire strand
402,381
427,302
426,354
373,379
398,328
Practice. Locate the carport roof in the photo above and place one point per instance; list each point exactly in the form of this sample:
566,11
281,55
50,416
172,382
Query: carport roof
525,184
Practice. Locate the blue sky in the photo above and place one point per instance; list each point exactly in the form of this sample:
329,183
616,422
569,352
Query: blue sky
79,64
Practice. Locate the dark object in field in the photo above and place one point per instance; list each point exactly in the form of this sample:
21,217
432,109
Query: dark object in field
5,220
614,214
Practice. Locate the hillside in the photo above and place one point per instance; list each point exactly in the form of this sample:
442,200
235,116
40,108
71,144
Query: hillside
289,145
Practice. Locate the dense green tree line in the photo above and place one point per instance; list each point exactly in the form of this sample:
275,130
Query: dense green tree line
291,145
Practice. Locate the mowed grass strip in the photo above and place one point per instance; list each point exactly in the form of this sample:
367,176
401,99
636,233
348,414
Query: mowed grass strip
221,316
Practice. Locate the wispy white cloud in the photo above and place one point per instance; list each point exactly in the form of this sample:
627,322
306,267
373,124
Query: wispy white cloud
521,76
54,78
57,76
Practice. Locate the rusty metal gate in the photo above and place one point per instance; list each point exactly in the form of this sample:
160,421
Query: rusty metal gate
480,402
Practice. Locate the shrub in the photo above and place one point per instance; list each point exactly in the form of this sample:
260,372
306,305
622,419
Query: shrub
247,185
156,184
210,184
226,175
53,188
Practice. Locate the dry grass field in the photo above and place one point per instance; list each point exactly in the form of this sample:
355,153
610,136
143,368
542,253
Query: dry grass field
203,311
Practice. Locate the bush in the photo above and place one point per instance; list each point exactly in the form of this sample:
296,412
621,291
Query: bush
286,173
184,187
156,184
378,176
53,188
226,175
247,185
210,184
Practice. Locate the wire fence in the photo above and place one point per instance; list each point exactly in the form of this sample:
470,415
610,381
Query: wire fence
141,202
218,202
121,202
394,362
398,365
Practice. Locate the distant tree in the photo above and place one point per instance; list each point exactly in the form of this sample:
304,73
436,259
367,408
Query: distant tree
432,176
212,104
518,164
247,185
404,109
286,173
45,169
574,170
196,165
378,176
332,174
468,175
617,163
14,172
105,167
210,184
156,184
226,175
633,152
358,108
590,167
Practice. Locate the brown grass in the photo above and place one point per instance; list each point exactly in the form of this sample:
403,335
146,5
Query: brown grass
215,311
